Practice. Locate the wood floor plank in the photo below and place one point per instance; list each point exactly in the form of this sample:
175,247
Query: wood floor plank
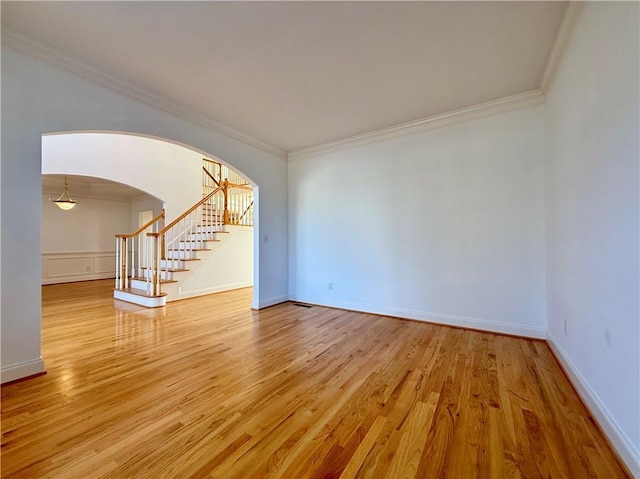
208,388
408,456
356,461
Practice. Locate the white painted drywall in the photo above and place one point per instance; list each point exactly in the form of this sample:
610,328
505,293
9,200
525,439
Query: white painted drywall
444,225
230,266
90,226
592,217
161,169
38,98
79,244
143,203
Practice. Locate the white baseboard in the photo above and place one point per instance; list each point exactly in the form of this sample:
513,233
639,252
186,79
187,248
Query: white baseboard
265,303
447,320
215,289
22,370
619,440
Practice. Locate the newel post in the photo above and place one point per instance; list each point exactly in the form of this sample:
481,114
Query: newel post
225,190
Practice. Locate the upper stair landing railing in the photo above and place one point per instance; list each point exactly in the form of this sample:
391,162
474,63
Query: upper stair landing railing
238,193
238,204
214,173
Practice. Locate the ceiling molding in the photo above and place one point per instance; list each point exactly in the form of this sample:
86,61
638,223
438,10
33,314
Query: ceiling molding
74,65
51,194
521,100
560,44
145,197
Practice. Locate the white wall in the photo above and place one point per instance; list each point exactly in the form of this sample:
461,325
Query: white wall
90,226
38,98
79,244
161,169
445,225
230,266
592,217
143,203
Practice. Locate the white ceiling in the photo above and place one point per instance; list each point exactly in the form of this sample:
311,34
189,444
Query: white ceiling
298,74
86,186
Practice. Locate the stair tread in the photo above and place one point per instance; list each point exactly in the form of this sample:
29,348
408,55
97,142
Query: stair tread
194,249
162,281
170,270
204,241
140,292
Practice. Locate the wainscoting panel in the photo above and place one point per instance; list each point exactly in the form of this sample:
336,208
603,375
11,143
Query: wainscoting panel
68,267
105,264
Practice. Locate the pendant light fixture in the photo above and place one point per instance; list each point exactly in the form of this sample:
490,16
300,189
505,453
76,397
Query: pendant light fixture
64,202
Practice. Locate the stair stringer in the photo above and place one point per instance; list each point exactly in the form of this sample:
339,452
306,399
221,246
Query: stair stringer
228,265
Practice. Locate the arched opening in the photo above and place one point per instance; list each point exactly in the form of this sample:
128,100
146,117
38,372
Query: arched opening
154,168
77,244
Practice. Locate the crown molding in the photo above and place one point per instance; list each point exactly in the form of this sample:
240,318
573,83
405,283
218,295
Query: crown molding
52,194
31,48
145,197
480,110
560,44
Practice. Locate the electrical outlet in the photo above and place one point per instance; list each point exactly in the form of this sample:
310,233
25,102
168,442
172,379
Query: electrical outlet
566,327
607,338
266,238
330,286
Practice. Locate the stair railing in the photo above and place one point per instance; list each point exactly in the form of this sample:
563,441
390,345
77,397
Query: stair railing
246,218
131,251
217,172
211,169
240,205
154,251
173,244
209,182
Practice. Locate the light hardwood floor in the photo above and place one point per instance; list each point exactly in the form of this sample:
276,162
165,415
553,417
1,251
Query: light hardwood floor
208,388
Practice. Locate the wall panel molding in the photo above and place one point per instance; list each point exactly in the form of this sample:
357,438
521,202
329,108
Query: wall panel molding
69,267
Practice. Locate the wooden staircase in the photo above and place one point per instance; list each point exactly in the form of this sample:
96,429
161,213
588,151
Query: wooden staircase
154,259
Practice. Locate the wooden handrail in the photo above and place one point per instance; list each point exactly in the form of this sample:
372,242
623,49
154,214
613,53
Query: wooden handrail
183,215
245,211
143,227
243,185
246,186
211,176
211,161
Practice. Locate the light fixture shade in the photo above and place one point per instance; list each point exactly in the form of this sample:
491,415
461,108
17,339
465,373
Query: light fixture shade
64,201
65,205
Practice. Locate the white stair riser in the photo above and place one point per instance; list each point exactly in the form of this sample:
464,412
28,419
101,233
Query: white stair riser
163,274
208,228
138,284
201,236
174,264
181,254
192,243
